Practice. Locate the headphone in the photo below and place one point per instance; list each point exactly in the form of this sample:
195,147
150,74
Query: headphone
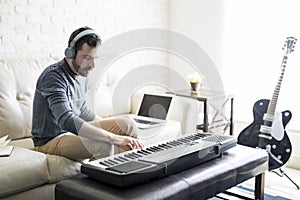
70,52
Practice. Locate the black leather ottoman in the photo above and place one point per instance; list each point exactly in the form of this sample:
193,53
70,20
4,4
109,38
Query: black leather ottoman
204,181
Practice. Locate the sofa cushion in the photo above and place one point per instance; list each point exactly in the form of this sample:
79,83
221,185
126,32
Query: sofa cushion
22,170
17,86
25,143
61,168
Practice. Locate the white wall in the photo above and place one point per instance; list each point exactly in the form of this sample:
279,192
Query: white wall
255,32
244,39
202,22
41,28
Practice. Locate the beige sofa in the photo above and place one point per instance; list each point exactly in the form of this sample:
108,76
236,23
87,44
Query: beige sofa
28,174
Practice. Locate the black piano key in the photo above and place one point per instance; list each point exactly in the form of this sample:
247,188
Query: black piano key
186,140
124,159
105,164
158,148
136,155
170,143
174,143
113,161
131,156
119,159
143,151
166,146
153,149
108,162
193,138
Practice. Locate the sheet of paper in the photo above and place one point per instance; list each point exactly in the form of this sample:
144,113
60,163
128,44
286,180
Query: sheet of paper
3,141
6,151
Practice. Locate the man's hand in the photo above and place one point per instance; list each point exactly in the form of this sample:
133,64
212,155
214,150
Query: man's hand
126,142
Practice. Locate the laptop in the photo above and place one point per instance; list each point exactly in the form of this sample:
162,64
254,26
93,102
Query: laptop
153,110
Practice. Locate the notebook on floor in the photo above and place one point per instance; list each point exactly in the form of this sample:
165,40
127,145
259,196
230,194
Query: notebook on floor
153,110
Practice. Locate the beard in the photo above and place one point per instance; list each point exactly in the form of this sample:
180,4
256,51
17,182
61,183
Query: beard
76,65
83,71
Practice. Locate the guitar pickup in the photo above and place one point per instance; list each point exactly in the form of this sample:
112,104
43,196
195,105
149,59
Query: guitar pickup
268,117
265,136
265,129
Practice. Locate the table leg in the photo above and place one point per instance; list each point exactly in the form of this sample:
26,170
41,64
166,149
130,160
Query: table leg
259,186
205,121
231,116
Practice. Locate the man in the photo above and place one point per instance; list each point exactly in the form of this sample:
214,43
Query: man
62,124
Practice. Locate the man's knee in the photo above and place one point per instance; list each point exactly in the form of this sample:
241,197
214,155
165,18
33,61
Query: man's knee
98,149
128,126
103,150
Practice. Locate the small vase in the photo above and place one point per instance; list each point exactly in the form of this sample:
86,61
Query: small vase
194,86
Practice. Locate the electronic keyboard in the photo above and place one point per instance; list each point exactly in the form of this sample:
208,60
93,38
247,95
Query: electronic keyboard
157,161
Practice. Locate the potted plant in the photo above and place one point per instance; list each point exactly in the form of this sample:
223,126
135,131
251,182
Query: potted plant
194,80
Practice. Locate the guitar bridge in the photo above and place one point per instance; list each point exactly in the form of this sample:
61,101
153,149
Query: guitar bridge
268,150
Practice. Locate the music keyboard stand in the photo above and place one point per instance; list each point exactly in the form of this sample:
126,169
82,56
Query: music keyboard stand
201,182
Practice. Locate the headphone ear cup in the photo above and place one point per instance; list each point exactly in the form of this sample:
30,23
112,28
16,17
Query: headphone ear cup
70,52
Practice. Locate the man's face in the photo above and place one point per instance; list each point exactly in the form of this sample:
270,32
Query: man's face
84,61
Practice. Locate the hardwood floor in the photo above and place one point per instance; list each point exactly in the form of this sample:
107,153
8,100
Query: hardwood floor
276,185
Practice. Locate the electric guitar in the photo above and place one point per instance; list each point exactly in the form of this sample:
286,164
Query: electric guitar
267,131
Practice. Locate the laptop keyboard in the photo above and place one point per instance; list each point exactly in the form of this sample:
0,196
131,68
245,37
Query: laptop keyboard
145,121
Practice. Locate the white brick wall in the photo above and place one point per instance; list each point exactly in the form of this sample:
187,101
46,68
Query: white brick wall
41,28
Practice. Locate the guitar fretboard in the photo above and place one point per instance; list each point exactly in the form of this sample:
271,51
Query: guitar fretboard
273,102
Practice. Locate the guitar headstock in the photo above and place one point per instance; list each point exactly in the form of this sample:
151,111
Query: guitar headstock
289,45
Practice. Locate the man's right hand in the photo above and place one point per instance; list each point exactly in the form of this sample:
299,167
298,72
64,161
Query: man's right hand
126,142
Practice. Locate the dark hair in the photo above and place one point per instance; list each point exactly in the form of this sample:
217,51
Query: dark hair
92,40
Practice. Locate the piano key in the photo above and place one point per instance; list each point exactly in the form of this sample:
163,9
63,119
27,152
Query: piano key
144,152
112,161
130,155
119,159
105,164
108,163
136,155
123,158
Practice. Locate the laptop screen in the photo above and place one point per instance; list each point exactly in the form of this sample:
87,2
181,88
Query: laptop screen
155,106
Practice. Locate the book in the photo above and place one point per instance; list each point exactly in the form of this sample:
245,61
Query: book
4,149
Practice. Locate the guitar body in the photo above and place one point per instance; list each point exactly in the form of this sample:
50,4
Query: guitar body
281,149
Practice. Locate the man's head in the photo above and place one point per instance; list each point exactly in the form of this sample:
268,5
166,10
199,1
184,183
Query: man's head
81,50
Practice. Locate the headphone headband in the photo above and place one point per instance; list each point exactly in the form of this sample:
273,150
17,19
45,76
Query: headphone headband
70,51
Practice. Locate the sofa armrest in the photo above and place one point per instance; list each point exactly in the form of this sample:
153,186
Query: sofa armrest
185,110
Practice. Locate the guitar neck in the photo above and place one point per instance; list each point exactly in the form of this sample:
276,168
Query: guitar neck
273,102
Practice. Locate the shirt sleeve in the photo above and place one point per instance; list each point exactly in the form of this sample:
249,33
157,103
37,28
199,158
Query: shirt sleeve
86,113
55,90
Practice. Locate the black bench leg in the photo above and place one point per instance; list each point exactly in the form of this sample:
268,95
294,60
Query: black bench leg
259,186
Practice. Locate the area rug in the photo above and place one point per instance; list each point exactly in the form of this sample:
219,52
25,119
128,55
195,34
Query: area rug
247,193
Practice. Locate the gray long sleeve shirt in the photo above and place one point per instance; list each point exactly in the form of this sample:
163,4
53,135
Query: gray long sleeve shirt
59,104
